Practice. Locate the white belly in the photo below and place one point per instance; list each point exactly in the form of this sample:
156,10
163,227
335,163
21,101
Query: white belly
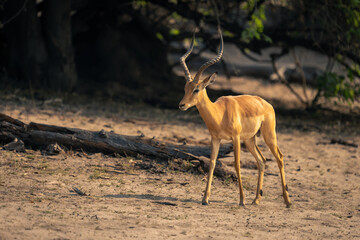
250,126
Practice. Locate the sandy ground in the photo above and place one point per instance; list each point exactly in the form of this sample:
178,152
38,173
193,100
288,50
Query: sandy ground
124,201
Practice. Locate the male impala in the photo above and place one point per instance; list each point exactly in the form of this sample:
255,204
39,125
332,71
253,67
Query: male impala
233,118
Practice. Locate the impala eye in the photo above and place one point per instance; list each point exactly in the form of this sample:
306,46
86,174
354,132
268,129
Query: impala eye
196,91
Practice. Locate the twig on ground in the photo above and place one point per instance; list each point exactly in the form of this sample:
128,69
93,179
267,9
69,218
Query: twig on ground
78,191
165,203
338,141
342,142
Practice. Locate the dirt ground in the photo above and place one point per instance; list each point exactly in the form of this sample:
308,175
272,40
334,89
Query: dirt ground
125,201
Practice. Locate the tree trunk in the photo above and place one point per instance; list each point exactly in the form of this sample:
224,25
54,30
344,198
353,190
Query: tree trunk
26,54
56,22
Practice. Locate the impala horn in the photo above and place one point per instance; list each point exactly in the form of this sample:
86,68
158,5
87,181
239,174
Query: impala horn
212,61
183,58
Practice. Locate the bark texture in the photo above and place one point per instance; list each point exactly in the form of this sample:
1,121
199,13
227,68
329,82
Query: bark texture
40,136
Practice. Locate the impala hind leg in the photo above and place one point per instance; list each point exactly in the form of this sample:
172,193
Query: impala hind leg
260,162
280,161
215,145
236,145
268,132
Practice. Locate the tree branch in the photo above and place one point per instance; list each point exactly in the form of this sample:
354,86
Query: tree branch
282,79
302,74
15,15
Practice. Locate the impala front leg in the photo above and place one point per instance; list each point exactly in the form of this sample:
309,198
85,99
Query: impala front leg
236,144
215,145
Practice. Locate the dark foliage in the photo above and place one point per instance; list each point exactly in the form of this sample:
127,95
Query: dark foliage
119,48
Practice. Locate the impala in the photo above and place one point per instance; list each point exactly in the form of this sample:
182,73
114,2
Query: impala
233,118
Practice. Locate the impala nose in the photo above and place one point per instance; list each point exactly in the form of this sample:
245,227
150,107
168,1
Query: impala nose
181,106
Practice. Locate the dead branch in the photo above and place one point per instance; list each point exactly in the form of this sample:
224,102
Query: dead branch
40,136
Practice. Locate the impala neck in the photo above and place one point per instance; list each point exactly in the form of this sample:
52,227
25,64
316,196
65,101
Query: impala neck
206,107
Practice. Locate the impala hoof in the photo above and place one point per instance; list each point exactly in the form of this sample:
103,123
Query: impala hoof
242,205
288,205
205,203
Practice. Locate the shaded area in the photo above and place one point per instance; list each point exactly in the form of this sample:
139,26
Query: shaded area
151,197
158,199
121,49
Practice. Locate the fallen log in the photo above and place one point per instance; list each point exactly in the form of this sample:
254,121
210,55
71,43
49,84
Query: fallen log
40,136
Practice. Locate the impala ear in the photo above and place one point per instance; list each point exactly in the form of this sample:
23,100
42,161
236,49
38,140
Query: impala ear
209,80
